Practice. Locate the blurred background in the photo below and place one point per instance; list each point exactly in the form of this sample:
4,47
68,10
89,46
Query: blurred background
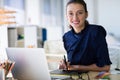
48,16
42,23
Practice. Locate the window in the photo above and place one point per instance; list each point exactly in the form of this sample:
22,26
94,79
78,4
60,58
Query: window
19,7
19,4
52,12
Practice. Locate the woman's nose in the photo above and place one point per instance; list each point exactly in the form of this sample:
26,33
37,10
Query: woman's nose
75,17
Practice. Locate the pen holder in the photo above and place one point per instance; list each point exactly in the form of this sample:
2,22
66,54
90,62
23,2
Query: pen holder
8,66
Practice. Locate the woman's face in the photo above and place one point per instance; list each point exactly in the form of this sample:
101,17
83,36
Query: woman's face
76,15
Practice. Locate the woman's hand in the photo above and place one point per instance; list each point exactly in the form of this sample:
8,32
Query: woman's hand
0,66
63,65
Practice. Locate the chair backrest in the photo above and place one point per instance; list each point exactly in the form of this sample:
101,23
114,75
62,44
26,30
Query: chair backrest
114,53
54,50
54,46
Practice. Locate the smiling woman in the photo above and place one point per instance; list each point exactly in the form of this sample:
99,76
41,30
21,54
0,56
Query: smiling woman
76,15
85,43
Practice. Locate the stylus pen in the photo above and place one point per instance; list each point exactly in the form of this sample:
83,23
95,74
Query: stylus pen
65,62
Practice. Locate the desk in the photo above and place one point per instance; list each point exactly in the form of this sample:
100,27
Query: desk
84,76
115,77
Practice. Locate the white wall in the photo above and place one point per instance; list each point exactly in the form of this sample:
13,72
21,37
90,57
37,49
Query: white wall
105,13
54,33
3,37
32,11
109,15
1,3
91,6
30,39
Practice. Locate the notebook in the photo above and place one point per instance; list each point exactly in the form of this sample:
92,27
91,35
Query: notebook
30,63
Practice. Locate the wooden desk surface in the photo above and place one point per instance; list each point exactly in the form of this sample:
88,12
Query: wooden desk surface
92,76
111,76
115,77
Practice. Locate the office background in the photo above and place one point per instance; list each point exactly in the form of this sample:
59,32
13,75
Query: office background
51,13
38,21
50,17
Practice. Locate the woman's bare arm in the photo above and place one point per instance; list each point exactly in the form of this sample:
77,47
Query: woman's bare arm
92,67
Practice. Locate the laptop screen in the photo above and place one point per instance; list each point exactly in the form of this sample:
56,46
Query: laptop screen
30,63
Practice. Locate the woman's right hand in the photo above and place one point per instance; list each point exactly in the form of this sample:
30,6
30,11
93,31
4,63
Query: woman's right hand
62,65
1,66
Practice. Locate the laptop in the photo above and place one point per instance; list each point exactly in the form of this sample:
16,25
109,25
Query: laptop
2,74
30,63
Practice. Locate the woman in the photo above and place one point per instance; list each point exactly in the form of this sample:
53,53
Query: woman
85,43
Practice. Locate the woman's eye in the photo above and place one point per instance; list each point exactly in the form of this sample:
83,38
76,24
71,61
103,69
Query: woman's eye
80,12
70,14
